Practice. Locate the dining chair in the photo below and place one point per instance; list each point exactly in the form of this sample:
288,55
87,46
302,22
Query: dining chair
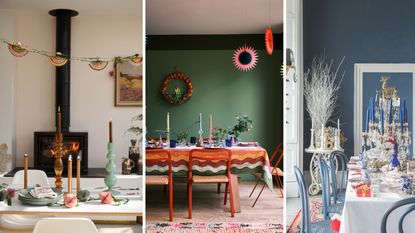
221,157
338,191
156,156
65,225
275,171
21,222
408,201
35,177
328,207
306,225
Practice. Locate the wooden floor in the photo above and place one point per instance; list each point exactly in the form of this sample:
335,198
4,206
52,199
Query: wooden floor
101,229
208,205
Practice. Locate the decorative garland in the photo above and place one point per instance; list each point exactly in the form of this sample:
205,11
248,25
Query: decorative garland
177,97
17,49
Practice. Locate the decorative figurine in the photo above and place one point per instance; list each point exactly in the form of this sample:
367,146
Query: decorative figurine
134,154
127,165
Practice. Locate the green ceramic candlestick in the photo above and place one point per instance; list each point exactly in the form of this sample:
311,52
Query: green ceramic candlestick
110,179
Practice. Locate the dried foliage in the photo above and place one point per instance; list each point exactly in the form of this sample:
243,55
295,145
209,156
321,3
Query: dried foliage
320,90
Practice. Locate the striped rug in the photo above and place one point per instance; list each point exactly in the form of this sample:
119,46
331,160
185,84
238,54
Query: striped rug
213,227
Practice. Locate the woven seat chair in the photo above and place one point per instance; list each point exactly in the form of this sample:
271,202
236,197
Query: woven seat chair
160,155
222,156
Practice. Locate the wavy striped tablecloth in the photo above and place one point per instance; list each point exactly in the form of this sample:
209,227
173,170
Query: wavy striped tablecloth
244,160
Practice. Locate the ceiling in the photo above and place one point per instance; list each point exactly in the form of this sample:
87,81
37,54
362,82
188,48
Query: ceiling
84,7
166,17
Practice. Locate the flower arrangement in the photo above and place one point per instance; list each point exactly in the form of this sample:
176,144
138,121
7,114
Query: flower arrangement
182,136
6,194
244,124
220,133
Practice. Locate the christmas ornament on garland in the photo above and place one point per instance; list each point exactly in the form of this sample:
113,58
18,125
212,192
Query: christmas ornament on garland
17,50
245,58
98,64
58,59
177,96
269,41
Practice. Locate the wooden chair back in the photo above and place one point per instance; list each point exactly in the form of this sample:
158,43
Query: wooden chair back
219,155
159,155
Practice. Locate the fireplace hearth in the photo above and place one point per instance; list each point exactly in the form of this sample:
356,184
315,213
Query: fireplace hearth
45,142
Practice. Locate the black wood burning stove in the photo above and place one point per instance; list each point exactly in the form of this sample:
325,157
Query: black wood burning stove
45,141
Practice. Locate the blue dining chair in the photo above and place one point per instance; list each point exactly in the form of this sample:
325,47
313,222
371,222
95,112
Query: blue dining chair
408,201
328,207
338,191
323,226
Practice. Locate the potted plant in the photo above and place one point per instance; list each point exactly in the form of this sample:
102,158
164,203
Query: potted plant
181,137
244,124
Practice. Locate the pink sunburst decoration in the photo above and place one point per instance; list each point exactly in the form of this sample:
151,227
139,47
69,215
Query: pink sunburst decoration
245,58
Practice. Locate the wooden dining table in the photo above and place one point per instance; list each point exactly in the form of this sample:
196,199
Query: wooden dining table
245,160
127,186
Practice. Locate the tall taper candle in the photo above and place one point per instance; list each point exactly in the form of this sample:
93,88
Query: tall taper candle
200,122
367,120
373,110
168,122
382,126
338,124
110,130
59,120
78,174
401,118
26,165
210,125
70,174
390,110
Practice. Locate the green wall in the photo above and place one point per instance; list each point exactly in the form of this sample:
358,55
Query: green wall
219,89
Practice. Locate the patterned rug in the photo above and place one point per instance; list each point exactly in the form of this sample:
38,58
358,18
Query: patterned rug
315,215
213,227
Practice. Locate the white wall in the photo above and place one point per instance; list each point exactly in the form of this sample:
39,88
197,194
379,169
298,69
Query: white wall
7,74
92,92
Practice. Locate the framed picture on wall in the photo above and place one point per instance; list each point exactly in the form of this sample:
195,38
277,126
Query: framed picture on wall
128,83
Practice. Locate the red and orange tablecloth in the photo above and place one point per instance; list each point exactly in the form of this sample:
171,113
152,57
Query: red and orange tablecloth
244,160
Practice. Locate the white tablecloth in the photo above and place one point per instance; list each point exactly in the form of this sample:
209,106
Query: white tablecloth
364,214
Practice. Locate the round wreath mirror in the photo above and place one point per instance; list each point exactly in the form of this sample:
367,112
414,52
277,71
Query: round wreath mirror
177,88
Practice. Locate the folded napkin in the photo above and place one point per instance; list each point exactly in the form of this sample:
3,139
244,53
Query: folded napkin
43,192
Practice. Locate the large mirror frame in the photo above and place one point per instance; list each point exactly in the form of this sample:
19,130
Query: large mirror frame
359,70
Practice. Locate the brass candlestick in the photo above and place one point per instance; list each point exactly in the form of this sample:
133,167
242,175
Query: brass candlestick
59,151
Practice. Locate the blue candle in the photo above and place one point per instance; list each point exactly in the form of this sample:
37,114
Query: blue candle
370,109
373,110
367,120
400,118
381,122
406,116
390,111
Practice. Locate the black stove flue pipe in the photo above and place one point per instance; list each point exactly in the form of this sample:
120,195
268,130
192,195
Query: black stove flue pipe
63,73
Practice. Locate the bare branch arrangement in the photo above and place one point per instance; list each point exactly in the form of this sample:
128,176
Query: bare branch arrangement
320,90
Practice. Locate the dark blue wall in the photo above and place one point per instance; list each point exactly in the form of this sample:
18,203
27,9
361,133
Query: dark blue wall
364,31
